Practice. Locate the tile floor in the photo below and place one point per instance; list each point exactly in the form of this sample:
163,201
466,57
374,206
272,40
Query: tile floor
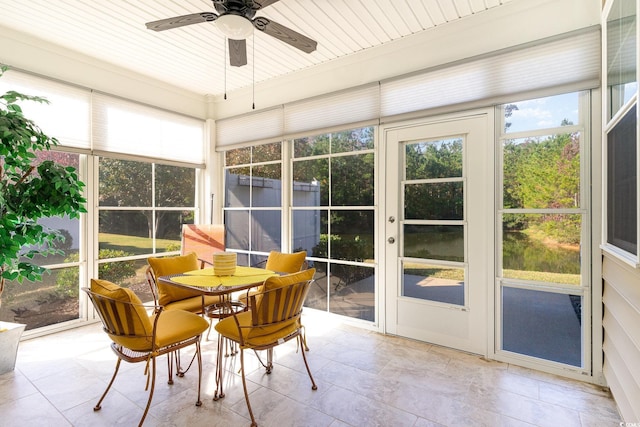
364,379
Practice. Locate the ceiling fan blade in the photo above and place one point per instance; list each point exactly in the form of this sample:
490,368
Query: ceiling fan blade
237,52
264,3
285,34
180,21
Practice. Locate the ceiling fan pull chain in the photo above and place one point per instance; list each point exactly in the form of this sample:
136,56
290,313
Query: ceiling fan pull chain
225,68
253,78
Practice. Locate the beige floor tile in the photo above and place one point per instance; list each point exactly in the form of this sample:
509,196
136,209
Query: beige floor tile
364,379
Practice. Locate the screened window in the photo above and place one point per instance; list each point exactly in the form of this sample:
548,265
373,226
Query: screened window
622,184
54,299
142,207
622,129
333,218
542,220
253,201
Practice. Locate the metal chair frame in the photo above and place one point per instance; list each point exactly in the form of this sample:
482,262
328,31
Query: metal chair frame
270,308
120,326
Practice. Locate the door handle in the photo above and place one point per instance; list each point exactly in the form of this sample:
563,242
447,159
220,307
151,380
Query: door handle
391,240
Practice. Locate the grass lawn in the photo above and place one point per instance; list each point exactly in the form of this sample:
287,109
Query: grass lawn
135,245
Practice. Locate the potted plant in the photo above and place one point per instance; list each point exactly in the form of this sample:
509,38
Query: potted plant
29,192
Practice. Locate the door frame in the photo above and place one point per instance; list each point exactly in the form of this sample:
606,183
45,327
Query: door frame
385,169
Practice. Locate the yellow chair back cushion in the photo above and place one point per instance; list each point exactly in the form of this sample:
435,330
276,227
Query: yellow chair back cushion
278,282
285,263
129,324
288,279
173,265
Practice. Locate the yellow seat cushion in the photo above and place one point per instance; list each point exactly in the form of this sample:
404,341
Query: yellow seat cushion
178,325
173,265
254,336
173,326
193,304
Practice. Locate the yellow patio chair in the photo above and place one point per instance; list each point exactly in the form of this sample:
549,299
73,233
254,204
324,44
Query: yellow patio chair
138,337
281,262
273,318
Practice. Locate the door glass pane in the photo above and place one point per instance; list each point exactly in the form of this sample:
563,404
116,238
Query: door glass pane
433,282
542,247
434,201
434,159
443,242
541,324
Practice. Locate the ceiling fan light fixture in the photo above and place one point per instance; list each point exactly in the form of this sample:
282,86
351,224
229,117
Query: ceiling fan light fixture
234,27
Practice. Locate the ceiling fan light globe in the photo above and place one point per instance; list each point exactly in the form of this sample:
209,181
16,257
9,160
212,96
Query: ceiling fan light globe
234,27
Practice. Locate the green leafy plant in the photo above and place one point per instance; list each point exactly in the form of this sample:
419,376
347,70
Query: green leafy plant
30,191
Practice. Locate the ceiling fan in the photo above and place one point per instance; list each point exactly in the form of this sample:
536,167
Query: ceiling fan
235,19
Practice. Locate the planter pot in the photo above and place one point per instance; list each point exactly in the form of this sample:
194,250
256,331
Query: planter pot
10,334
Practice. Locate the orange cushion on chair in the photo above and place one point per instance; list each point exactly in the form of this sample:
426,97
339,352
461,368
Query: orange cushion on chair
173,265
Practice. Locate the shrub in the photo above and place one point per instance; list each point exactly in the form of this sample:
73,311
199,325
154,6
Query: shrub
68,279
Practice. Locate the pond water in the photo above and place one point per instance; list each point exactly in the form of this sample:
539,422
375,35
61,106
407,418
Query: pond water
520,252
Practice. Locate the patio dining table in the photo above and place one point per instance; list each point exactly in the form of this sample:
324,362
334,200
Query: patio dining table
207,282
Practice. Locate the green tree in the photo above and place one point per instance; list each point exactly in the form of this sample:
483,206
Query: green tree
544,173
127,183
30,190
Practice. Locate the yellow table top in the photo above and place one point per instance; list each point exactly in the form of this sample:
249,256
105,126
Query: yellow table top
205,277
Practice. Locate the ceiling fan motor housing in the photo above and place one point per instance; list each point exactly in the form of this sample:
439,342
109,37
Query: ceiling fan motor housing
246,9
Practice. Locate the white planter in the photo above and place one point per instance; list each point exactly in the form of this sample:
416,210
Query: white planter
10,334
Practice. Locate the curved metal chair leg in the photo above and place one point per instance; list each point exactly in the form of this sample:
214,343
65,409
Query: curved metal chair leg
153,385
244,386
115,373
170,357
199,402
306,364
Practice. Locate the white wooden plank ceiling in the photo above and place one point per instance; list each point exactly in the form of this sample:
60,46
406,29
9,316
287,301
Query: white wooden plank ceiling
193,57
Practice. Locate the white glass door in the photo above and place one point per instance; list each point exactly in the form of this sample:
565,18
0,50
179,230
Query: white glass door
439,233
